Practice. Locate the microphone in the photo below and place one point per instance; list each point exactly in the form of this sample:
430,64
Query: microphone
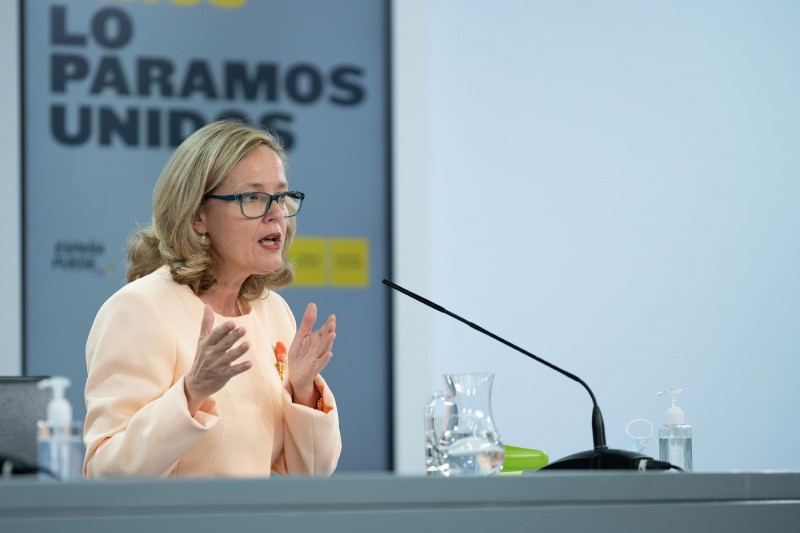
599,458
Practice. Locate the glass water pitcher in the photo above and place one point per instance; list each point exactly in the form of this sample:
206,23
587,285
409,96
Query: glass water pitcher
460,436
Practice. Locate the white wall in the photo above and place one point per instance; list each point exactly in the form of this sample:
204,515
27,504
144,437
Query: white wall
613,185
11,264
411,225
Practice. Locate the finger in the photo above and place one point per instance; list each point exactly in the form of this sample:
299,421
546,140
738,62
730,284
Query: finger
219,332
234,354
325,359
309,317
321,362
330,324
327,345
208,321
244,366
320,337
230,339
322,346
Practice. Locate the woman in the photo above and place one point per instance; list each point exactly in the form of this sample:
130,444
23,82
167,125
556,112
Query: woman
186,370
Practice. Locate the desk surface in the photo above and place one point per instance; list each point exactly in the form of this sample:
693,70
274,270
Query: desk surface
554,501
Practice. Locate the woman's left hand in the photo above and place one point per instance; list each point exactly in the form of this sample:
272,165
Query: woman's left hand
308,355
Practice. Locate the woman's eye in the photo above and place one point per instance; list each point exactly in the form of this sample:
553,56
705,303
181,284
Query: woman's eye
251,198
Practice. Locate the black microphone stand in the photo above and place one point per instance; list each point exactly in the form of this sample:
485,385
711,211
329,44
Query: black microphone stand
601,457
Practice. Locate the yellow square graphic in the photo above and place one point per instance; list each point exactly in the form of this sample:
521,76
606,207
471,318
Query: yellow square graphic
307,254
349,262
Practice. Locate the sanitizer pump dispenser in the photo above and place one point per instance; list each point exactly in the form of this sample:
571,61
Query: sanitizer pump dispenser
60,440
675,437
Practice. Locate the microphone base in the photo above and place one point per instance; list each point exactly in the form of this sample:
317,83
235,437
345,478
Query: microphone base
602,459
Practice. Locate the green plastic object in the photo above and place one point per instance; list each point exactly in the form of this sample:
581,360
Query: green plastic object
519,460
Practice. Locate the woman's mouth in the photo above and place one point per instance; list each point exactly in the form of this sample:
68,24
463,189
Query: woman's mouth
271,241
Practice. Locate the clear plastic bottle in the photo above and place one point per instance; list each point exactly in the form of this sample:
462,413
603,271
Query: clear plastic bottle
675,437
60,440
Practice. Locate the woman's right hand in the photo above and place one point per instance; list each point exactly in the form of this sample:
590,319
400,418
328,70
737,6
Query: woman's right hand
212,367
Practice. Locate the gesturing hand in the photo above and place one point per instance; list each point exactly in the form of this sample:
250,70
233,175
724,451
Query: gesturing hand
309,354
212,367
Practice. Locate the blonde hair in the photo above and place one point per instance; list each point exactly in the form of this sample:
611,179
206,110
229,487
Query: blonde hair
198,166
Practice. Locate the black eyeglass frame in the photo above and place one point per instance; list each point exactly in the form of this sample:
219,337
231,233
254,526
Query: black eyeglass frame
294,195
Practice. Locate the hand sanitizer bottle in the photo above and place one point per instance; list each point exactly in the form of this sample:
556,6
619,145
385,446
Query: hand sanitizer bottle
675,437
60,442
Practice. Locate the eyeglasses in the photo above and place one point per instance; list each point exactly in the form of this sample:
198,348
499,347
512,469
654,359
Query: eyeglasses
256,204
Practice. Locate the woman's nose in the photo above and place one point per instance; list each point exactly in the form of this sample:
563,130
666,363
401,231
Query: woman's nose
275,212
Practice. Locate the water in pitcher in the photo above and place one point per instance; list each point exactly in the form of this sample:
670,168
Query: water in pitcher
473,456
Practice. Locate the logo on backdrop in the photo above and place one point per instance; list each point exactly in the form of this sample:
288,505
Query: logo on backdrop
163,86
80,256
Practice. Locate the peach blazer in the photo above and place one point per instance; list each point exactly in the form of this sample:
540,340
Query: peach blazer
140,347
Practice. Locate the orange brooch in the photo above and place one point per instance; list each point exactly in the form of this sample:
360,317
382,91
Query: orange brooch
280,358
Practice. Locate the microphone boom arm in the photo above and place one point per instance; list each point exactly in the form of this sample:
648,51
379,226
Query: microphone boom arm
598,426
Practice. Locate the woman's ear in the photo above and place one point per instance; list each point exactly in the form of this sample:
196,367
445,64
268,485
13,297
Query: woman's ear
199,223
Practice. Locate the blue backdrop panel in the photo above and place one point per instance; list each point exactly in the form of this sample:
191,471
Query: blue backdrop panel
112,87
